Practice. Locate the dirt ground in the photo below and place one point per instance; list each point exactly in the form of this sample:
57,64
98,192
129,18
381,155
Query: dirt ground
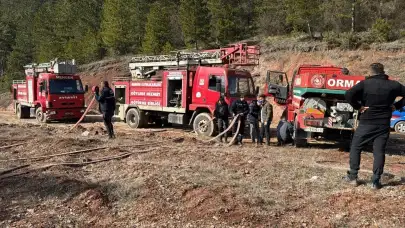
180,181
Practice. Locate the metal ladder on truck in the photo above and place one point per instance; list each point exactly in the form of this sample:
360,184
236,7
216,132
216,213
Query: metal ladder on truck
55,66
142,67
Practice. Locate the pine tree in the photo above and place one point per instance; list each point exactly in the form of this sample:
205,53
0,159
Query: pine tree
123,25
157,29
47,45
303,14
7,36
195,21
230,20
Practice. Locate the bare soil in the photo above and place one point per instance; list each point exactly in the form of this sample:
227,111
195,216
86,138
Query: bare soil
183,182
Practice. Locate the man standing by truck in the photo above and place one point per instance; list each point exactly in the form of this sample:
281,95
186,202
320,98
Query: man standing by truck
221,114
253,118
240,107
266,116
106,101
373,98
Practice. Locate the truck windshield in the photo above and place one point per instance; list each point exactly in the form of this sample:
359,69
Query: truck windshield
240,85
65,86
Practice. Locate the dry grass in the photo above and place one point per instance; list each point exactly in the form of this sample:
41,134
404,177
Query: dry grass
193,184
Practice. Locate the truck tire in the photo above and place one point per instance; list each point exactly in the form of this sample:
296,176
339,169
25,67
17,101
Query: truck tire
40,116
18,112
135,119
22,112
203,125
299,140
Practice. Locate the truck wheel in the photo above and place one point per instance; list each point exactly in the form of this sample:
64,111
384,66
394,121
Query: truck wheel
299,141
135,119
18,112
22,112
400,127
203,125
40,116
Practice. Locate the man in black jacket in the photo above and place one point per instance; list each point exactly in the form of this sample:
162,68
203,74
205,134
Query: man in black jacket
253,118
221,114
240,107
107,106
374,98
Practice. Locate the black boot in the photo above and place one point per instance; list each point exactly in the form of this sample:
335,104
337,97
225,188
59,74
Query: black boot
375,183
351,179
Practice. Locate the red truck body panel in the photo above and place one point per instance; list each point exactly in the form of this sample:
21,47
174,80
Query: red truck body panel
149,94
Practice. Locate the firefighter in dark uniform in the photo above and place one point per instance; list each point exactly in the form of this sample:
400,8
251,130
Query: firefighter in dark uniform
106,101
253,118
240,107
374,98
285,132
221,114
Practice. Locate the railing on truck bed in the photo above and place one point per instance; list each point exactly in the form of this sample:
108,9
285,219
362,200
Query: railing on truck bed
15,82
121,79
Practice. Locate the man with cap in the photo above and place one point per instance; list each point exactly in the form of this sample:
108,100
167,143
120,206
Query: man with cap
240,107
266,116
221,114
374,98
106,101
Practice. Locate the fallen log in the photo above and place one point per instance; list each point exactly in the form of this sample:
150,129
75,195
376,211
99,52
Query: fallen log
13,145
74,164
75,152
13,169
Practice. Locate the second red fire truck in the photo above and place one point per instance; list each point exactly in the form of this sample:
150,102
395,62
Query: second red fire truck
183,88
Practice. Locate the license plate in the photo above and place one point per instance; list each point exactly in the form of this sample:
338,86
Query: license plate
344,107
314,129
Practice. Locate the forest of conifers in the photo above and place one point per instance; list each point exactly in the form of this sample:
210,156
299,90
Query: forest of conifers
89,30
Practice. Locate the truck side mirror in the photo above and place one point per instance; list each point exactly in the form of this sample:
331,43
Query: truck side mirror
218,86
86,88
41,86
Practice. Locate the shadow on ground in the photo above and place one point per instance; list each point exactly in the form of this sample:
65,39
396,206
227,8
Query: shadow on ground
22,195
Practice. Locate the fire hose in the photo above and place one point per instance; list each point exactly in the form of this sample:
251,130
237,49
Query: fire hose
84,114
236,135
226,130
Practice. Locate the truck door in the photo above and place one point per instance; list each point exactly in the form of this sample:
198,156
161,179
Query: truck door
216,87
210,85
120,95
278,86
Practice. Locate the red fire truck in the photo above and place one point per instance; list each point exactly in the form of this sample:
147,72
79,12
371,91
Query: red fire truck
51,91
183,88
315,103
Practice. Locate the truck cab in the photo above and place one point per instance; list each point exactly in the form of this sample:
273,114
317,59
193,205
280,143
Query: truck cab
51,91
